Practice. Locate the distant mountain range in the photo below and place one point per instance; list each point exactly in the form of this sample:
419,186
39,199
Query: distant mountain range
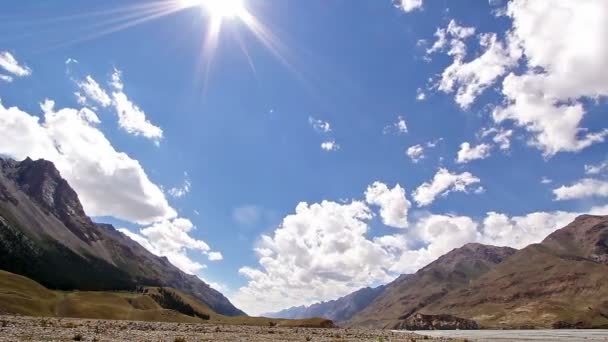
338,310
46,236
559,283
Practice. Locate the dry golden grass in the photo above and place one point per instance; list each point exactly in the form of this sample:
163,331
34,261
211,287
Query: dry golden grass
23,296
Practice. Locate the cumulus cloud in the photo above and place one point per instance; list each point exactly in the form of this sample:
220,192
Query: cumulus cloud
9,63
563,66
442,184
585,188
330,146
468,153
108,182
320,251
416,153
520,231
469,79
324,250
555,126
408,5
171,239
561,71
393,203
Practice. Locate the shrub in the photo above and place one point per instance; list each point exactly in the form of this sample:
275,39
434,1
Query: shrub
77,337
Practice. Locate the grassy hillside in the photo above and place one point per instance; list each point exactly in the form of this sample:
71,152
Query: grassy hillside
22,296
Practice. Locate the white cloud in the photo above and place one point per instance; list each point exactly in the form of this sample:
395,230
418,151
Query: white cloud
468,153
546,180
91,89
330,145
596,169
416,153
182,190
556,41
399,127
469,79
585,188
502,136
555,127
420,95
393,203
215,256
409,5
6,78
9,63
442,184
131,118
319,252
108,182
319,125
520,231
171,239
453,34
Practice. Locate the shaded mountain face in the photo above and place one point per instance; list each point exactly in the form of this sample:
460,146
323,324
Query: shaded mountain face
338,310
411,293
559,283
46,236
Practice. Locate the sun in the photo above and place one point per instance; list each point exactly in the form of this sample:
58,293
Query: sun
219,9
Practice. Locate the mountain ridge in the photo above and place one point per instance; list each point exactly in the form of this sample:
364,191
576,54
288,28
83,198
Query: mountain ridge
47,236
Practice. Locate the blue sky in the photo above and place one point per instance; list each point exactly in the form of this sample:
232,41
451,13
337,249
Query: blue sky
244,130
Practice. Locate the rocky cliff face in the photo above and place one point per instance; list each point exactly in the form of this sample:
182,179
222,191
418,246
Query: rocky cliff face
338,310
437,322
46,235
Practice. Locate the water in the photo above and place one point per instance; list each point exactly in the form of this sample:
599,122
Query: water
521,335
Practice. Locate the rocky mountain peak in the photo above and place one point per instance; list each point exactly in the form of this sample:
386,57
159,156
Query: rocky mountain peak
43,183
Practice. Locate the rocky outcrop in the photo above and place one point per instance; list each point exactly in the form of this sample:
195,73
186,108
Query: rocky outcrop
436,322
46,235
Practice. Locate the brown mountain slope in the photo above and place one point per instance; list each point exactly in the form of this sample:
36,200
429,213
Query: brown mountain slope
411,293
560,282
46,236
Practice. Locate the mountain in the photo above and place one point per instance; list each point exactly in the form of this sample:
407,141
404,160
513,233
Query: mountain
45,235
338,310
561,282
411,293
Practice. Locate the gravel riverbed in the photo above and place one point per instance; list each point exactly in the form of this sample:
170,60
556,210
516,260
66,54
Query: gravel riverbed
20,328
